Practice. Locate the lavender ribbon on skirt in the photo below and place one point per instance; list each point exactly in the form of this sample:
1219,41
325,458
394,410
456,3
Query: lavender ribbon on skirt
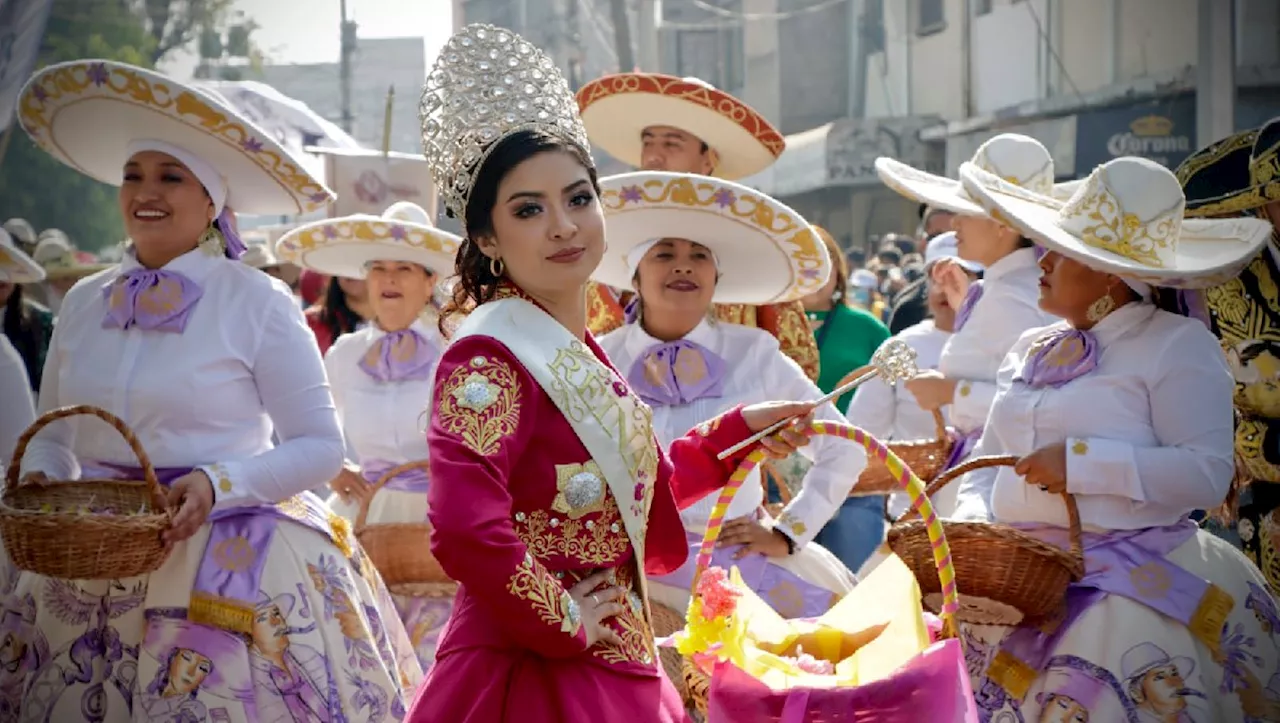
971,298
400,356
962,446
229,579
411,480
1132,564
1059,357
787,593
677,372
152,299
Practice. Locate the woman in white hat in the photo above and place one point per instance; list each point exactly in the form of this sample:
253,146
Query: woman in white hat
62,266
381,374
683,242
204,358
18,411
1128,408
996,311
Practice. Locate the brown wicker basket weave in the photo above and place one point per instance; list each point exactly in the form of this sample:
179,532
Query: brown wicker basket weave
47,527
667,621
1008,575
925,457
401,551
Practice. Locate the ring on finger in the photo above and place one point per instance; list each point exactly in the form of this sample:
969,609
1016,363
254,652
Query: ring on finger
595,599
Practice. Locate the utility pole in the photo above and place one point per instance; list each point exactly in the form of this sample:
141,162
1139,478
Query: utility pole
622,35
1215,71
348,42
647,35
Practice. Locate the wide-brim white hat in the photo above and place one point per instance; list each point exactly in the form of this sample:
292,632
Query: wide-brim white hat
346,246
1126,219
87,113
1018,159
16,267
55,254
766,252
616,109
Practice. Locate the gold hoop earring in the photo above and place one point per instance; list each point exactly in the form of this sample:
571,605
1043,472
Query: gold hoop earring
1099,309
496,267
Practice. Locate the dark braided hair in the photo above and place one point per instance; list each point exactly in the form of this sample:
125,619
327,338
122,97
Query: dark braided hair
476,283
335,313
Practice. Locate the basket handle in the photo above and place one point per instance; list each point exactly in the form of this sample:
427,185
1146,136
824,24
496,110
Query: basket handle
13,481
386,477
1074,529
903,474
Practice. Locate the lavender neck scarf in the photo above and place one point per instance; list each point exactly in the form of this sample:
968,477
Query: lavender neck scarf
971,298
399,356
152,299
1059,357
677,372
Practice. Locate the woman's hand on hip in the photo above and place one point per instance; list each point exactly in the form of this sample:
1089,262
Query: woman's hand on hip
785,441
596,606
1046,468
192,496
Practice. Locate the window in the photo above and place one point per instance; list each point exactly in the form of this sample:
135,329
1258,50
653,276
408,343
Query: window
930,18
714,55
872,25
981,7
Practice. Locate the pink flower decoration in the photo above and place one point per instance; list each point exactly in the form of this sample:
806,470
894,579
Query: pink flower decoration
812,665
719,597
639,491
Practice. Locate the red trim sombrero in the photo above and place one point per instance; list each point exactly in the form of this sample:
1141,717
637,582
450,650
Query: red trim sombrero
617,108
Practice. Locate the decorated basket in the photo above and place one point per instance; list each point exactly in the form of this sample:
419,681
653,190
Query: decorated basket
86,529
1009,576
696,679
401,551
926,458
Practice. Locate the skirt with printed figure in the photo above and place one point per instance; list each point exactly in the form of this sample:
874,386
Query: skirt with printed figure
322,648
424,609
1122,662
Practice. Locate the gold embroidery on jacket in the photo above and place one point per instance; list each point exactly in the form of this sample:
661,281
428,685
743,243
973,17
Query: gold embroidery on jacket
532,583
598,542
480,403
631,626
580,489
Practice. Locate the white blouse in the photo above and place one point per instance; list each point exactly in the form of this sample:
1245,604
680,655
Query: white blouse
1010,305
1149,433
18,411
758,371
380,420
209,397
890,412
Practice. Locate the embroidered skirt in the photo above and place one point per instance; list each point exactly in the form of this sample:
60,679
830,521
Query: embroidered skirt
425,613
1121,661
320,650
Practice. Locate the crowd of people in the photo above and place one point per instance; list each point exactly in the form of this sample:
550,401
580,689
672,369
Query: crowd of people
437,478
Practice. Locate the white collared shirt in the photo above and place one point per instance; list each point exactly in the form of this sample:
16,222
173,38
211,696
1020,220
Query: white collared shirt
380,420
1149,433
18,411
209,397
888,411
758,371
1010,305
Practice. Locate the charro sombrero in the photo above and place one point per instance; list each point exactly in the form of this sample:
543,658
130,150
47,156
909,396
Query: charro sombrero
57,257
617,108
1127,219
16,267
346,246
1016,158
89,113
765,251
1235,175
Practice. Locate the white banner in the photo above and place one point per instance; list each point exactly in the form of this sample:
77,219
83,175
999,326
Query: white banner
291,122
368,182
21,30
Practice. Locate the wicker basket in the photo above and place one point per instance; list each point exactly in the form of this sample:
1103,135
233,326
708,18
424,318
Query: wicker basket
45,532
1008,575
665,622
697,683
401,551
925,457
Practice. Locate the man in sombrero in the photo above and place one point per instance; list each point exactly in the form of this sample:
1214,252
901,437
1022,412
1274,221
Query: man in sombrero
663,123
1240,176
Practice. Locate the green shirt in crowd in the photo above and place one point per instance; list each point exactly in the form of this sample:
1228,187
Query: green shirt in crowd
847,338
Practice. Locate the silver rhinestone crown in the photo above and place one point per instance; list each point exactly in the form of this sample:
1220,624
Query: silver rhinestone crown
488,83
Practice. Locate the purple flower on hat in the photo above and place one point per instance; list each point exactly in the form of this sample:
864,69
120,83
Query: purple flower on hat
319,197
40,93
724,197
98,74
330,232
251,144
809,273
630,194
397,233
